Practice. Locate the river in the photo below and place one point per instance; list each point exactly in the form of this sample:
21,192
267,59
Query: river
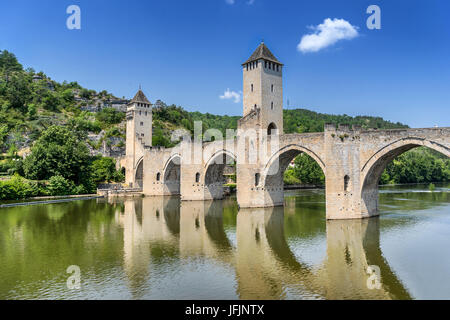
160,248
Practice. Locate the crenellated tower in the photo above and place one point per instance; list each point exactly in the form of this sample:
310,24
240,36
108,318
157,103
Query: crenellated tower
139,136
263,88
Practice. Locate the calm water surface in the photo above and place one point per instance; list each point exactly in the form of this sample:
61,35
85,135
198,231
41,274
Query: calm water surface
159,248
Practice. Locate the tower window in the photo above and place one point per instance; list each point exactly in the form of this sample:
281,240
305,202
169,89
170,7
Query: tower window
142,124
140,112
271,105
197,177
278,67
158,176
256,64
145,113
265,64
271,88
142,135
252,87
247,66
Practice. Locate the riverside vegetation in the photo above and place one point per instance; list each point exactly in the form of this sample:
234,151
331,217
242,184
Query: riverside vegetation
46,149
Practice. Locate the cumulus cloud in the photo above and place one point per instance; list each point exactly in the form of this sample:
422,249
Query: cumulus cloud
228,94
229,1
326,34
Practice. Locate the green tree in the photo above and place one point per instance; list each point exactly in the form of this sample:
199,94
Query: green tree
59,186
58,152
305,171
109,116
50,101
8,62
104,170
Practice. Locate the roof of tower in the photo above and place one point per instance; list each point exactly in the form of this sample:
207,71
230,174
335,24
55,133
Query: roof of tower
140,97
262,52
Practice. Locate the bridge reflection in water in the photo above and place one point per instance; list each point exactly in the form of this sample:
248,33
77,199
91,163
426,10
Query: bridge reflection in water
265,267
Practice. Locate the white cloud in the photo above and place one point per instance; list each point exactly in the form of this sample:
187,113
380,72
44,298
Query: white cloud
250,2
327,34
231,95
229,1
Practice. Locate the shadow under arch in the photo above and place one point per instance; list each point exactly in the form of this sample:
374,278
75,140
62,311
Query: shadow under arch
214,173
273,172
372,170
172,174
139,175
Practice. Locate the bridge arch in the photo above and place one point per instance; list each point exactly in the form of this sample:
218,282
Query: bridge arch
373,168
139,173
171,174
276,166
213,178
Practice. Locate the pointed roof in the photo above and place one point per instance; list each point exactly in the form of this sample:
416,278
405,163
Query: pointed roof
140,97
262,52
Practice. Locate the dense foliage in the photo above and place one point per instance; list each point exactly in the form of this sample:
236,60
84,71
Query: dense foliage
420,165
305,171
45,114
58,152
302,120
109,116
59,164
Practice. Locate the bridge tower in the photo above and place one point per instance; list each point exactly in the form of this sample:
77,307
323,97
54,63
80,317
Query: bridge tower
263,89
139,136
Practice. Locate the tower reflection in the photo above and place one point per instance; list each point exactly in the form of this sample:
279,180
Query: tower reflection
266,265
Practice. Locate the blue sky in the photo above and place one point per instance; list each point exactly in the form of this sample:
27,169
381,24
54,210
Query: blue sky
189,52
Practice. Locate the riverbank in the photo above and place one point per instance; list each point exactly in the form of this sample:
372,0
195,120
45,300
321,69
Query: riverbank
46,200
303,186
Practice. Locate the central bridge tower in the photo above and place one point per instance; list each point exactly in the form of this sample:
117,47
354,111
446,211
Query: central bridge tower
263,89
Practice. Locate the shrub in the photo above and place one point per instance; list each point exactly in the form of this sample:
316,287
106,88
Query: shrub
18,188
60,186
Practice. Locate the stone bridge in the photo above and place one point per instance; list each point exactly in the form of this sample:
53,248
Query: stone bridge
351,159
